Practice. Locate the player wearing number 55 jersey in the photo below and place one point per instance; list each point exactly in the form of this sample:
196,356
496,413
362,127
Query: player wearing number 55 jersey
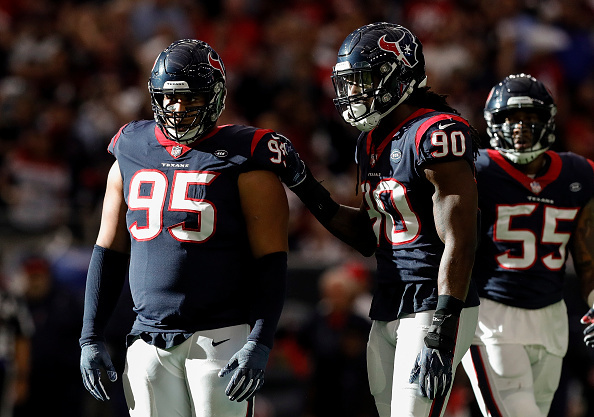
536,206
416,161
203,215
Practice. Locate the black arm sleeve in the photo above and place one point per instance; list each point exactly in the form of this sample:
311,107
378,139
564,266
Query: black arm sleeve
316,198
105,280
355,231
270,296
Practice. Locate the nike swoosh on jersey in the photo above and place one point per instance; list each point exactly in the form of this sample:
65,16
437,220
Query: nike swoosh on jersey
219,342
440,126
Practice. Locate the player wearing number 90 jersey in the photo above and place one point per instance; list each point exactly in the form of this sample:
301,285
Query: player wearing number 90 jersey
398,200
416,160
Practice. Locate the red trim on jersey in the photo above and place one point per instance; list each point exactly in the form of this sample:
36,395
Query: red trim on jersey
480,370
423,128
551,175
390,136
256,139
591,163
211,133
115,138
169,144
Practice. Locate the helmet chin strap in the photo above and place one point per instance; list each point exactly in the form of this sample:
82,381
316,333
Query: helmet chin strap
372,120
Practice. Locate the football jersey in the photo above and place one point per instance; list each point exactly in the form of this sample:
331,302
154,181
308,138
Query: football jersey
526,225
191,266
398,200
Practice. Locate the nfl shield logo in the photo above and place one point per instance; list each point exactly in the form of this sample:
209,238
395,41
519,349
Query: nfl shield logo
535,186
176,151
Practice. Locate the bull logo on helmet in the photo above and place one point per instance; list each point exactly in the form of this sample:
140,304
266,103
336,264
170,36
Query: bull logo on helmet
216,63
404,52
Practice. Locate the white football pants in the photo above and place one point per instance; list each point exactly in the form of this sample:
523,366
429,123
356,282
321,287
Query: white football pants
514,363
183,381
391,353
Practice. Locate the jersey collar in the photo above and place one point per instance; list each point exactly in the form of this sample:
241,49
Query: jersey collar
534,185
176,149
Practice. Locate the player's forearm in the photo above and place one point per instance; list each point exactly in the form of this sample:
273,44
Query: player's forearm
269,296
349,224
352,226
458,231
105,280
455,271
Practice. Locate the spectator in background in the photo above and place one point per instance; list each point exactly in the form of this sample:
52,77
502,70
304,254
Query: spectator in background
56,311
36,185
335,336
16,329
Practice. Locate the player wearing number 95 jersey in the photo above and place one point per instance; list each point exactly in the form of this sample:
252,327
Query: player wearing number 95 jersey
203,215
416,161
536,206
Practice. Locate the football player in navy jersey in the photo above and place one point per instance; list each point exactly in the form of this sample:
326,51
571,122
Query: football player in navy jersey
196,215
419,216
536,204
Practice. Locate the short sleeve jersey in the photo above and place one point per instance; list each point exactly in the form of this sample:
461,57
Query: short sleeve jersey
398,198
526,225
191,265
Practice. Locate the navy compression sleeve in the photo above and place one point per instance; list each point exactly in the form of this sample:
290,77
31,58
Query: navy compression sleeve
105,280
270,298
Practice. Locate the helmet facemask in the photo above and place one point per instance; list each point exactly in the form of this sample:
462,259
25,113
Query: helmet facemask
188,70
520,109
379,65
187,125
504,133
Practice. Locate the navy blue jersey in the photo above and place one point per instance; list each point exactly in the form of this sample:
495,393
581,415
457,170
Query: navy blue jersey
398,199
526,225
191,266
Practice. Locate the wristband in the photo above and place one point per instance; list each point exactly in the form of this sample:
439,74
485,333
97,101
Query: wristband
447,304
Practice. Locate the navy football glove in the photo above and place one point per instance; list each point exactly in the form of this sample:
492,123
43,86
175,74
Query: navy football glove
93,357
589,331
250,362
433,366
294,172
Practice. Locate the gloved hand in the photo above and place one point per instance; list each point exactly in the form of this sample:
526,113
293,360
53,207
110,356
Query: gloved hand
589,331
294,171
433,366
93,357
250,362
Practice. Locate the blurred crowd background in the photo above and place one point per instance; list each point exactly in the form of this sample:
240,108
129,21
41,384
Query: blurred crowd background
72,72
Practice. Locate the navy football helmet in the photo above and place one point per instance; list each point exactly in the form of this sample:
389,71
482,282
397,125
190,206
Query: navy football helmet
520,92
190,67
378,67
